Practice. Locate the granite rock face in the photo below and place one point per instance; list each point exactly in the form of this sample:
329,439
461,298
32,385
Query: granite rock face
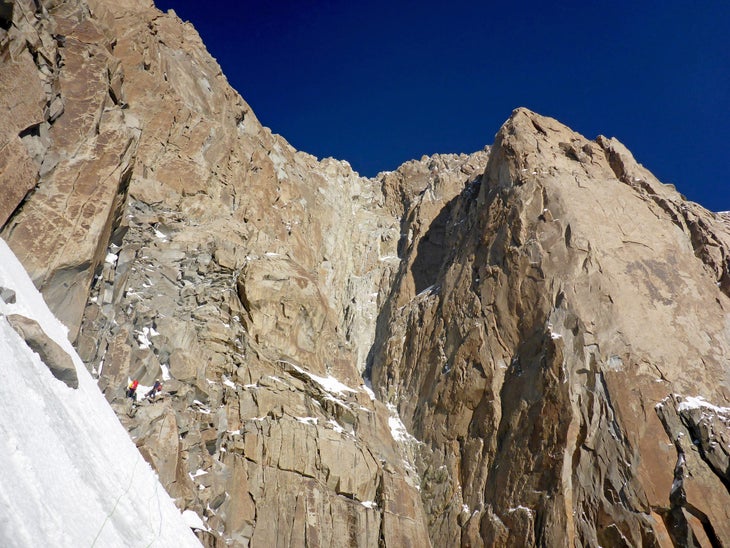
700,433
69,147
56,358
577,294
543,315
180,240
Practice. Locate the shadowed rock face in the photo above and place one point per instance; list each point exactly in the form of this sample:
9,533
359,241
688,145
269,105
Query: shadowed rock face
578,295
533,311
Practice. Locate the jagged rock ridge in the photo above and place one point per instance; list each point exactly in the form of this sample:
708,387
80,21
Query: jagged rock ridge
524,309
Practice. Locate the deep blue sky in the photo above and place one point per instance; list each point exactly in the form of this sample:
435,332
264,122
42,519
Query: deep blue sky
378,83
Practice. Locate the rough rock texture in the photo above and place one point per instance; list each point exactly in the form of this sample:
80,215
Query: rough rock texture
532,311
576,293
68,143
179,239
55,357
700,433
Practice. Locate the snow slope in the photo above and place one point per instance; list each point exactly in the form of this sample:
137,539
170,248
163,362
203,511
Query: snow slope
69,473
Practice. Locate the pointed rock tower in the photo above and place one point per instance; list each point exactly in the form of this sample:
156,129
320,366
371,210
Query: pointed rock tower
553,366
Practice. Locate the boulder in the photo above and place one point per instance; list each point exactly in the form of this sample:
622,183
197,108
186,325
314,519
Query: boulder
56,358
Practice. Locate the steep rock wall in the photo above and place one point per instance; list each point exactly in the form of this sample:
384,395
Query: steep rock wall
179,239
579,294
68,145
544,323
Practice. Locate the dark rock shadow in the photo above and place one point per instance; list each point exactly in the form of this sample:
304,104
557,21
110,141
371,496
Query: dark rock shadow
435,248
442,237
432,249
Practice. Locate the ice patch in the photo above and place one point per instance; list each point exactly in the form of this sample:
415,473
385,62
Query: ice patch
615,363
430,290
369,504
111,259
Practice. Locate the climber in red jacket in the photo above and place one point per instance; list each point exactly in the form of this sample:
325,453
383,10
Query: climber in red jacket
132,389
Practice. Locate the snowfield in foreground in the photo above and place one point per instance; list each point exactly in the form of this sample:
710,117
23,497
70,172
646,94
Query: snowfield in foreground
70,474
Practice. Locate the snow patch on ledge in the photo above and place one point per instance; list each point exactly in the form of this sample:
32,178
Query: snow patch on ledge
698,402
397,429
368,388
521,508
165,372
193,520
229,383
143,337
329,383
